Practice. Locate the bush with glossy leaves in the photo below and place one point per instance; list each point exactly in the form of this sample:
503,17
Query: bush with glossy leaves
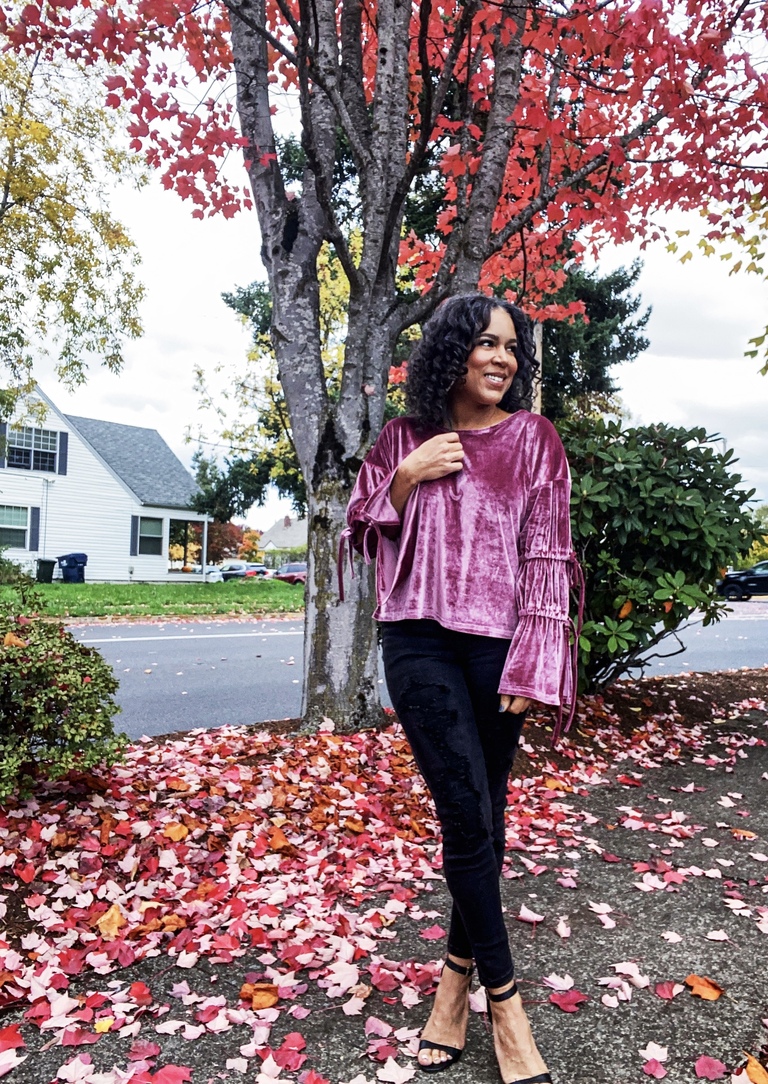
657,514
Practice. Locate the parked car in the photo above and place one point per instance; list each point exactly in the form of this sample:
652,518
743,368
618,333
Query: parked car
295,572
212,572
745,583
255,569
233,570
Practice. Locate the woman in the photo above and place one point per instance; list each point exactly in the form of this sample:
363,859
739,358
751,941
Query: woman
465,504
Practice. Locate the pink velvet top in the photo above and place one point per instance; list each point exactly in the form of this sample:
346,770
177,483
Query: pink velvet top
486,550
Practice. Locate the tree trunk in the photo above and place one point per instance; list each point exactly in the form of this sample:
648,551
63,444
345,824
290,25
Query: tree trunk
340,649
340,644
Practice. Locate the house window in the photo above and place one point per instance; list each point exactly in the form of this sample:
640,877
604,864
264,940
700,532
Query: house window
32,449
13,526
151,536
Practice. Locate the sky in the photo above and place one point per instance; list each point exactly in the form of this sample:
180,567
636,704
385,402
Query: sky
693,373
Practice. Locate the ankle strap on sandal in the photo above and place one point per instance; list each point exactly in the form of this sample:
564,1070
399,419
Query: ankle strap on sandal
460,969
504,995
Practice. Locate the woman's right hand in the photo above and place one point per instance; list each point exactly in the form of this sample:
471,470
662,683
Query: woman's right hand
435,458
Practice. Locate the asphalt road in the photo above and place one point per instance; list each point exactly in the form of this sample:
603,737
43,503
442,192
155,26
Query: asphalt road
178,676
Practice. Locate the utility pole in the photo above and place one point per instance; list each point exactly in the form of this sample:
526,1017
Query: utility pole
538,339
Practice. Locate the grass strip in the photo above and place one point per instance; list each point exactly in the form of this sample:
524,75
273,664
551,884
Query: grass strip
239,596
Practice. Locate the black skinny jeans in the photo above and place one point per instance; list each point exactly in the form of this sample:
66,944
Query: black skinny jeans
443,686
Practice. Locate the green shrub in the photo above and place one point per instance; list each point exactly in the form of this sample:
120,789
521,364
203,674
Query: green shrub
657,515
56,698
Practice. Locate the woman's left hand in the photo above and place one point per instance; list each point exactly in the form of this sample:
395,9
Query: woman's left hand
514,704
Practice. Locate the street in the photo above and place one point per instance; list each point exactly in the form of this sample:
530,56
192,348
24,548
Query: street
182,675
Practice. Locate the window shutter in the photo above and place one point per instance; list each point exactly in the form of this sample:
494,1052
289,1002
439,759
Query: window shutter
63,449
34,529
3,438
134,536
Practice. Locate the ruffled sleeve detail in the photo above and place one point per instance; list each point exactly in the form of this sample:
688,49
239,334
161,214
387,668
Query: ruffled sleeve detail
371,516
541,662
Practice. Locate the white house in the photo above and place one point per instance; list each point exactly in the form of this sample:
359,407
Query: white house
285,534
78,485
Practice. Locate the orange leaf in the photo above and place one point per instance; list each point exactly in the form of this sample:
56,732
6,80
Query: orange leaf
668,605
174,922
743,833
625,609
262,995
12,640
110,922
354,824
704,988
755,1071
278,841
176,832
174,783
556,784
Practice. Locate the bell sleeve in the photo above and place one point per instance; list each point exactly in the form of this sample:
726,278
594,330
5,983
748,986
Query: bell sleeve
541,661
372,519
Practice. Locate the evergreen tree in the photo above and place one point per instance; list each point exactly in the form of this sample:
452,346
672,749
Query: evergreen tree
578,356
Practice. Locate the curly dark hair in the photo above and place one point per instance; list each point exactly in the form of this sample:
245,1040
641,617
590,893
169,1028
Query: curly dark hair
440,357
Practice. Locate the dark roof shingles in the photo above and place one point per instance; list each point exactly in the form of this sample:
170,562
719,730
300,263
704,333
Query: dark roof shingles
142,459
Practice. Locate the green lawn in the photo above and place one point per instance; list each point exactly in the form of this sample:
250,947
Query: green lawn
248,596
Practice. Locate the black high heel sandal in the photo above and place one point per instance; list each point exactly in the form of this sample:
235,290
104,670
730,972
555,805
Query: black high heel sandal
426,1044
540,1078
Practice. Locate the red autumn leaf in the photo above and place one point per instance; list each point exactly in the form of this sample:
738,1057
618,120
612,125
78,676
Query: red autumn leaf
568,1000
143,1049
710,1068
311,1077
432,933
172,1074
10,1039
79,1037
668,990
654,1068
140,993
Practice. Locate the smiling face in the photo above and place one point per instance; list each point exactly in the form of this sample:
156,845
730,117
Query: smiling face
491,365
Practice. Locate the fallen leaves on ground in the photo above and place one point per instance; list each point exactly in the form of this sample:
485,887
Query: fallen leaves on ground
303,854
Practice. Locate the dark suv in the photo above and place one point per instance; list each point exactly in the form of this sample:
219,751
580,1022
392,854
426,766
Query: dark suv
744,584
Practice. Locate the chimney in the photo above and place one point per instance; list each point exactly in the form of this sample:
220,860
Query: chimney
287,521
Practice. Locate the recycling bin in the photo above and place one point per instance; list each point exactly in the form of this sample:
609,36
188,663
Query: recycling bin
72,567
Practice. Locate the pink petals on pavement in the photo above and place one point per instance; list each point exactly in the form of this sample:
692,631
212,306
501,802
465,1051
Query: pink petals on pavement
527,915
710,1068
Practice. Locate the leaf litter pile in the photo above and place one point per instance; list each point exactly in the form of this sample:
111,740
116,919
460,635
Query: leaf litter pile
246,893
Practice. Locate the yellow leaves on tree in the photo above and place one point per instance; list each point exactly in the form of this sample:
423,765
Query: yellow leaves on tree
68,265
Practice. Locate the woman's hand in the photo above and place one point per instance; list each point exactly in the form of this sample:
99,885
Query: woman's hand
514,704
435,458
